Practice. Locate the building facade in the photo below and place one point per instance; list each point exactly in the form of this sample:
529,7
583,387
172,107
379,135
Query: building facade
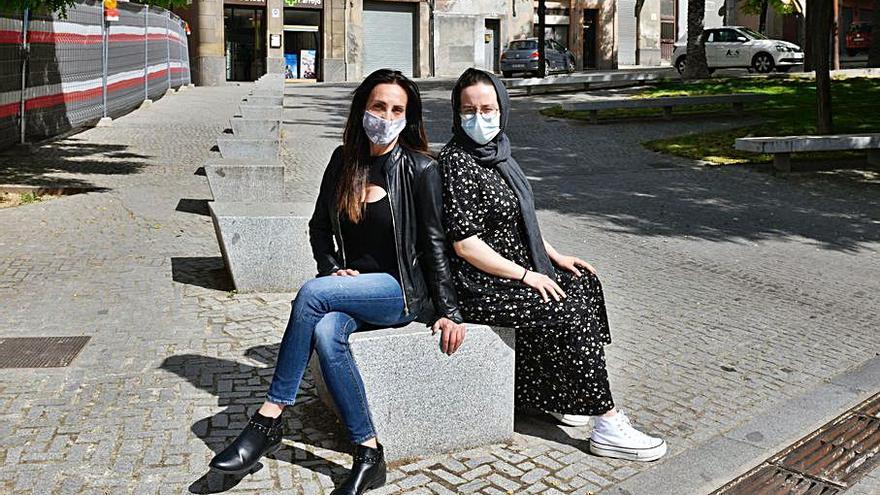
344,40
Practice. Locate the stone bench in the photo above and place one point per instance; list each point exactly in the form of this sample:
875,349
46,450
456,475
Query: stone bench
264,245
783,146
255,128
263,100
272,112
250,180
424,402
586,80
237,148
666,103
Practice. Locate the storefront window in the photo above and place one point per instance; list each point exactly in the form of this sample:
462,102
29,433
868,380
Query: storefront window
302,43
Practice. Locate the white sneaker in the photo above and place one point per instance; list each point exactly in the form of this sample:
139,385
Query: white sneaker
571,419
615,437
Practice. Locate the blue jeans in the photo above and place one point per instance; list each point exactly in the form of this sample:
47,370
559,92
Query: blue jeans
325,312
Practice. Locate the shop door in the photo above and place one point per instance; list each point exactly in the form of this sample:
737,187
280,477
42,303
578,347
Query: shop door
245,43
389,37
589,52
492,39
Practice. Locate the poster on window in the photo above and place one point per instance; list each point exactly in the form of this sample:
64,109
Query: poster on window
291,66
307,64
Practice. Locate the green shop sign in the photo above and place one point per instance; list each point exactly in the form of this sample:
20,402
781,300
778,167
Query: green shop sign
309,4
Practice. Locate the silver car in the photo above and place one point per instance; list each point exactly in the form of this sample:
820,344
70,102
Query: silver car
521,56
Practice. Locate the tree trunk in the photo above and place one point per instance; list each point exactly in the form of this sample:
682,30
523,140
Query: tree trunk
762,20
696,66
874,53
819,23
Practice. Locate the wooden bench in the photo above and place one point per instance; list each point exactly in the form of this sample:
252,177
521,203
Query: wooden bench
781,147
666,103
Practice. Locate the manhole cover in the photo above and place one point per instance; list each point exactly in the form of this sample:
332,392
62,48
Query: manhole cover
39,352
825,462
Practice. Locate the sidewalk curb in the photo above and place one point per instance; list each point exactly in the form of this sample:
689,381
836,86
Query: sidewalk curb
727,456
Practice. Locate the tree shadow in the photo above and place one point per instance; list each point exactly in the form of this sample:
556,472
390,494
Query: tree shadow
240,389
603,172
208,272
41,164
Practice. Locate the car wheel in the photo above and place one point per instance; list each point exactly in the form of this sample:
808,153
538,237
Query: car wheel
762,63
571,66
507,73
680,64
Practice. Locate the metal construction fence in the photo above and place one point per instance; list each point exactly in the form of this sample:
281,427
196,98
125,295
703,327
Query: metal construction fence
59,73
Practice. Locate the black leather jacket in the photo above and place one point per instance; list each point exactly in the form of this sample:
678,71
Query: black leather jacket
416,197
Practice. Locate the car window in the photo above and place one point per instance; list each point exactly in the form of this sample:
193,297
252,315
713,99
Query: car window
523,45
709,36
725,35
751,33
859,28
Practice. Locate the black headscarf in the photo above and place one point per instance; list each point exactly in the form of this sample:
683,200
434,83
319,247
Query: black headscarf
496,153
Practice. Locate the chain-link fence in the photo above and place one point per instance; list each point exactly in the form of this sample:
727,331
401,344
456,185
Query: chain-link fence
61,73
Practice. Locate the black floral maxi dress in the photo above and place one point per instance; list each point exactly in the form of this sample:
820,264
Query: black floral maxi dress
560,359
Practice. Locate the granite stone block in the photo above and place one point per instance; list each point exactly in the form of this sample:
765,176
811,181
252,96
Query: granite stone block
255,128
263,100
265,246
424,402
241,148
234,180
274,112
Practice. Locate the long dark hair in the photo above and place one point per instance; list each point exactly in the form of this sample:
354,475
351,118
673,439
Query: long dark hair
356,144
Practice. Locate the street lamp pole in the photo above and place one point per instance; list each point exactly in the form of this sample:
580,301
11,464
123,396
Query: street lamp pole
542,38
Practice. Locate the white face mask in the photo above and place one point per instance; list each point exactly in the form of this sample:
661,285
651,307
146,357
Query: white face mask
481,128
381,131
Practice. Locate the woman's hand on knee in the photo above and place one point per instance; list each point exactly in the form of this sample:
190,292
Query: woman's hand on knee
545,285
451,334
572,263
345,272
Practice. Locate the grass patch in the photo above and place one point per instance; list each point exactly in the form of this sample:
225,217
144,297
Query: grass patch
790,110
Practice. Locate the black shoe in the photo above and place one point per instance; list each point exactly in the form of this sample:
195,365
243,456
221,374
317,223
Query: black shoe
261,436
367,471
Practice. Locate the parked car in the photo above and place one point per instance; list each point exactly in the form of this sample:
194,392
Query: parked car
737,46
521,56
858,38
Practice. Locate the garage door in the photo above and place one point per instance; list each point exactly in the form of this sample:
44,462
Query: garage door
626,37
389,36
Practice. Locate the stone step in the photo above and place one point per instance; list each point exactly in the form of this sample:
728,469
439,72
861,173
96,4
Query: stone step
241,148
237,180
255,128
425,403
274,112
265,246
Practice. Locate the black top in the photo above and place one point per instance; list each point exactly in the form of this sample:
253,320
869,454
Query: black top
369,244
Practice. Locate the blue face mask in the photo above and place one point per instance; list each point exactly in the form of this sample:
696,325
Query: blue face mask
481,128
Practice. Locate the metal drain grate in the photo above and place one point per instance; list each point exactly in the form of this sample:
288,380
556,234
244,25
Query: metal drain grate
39,352
825,462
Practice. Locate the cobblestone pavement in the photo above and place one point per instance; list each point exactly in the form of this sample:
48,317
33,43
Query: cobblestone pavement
727,289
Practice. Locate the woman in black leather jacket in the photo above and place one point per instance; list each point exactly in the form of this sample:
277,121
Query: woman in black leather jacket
378,239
